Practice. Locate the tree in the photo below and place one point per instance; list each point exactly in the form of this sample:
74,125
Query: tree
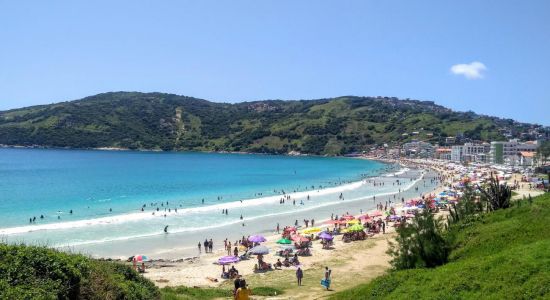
420,243
543,152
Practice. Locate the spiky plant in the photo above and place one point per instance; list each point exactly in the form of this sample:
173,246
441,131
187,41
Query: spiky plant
497,195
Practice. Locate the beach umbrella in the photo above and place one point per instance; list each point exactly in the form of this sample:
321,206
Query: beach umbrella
140,258
363,217
256,239
311,230
299,238
259,250
376,213
228,260
290,229
356,227
348,217
325,236
284,241
354,221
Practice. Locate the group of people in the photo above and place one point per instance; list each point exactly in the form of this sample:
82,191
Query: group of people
208,246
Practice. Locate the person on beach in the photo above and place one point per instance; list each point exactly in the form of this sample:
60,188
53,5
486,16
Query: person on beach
299,276
200,247
278,228
243,292
326,281
210,245
166,229
312,222
206,245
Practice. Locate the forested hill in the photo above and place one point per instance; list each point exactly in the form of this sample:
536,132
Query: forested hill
171,122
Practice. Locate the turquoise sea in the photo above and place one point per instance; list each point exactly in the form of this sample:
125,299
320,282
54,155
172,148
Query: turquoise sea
120,199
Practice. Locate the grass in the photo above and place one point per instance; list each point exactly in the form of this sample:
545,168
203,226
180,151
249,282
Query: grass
34,272
181,292
505,255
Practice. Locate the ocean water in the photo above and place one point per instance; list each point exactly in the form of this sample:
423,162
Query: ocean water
121,200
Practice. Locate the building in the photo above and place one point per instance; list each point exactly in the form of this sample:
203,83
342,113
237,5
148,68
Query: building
526,158
508,152
470,152
443,153
418,149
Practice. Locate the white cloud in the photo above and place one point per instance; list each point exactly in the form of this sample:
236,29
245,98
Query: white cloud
472,70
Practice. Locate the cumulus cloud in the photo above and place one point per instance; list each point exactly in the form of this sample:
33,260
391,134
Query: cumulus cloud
472,70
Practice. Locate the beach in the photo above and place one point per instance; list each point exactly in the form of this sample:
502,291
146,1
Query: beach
352,258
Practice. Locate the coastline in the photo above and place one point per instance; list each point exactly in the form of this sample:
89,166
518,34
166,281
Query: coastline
199,270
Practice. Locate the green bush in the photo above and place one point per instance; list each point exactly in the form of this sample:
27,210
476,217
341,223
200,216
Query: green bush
30,272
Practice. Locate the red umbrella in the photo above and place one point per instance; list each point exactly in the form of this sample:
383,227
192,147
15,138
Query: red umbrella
290,229
363,217
376,214
348,217
335,222
299,238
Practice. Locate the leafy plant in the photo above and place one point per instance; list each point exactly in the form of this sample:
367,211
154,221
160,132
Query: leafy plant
420,243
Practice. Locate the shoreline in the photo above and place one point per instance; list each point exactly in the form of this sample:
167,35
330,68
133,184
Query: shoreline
199,270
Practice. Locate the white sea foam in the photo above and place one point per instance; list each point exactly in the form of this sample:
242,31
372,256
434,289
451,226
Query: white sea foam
140,216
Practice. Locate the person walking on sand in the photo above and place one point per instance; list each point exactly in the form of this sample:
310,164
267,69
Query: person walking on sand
200,247
299,276
326,281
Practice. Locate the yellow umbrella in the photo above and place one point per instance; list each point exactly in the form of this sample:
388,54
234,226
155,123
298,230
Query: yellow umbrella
311,230
354,221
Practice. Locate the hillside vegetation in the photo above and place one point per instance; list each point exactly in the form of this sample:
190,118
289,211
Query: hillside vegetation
30,272
171,122
503,255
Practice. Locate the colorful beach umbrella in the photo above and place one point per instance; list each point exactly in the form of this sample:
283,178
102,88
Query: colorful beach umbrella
348,217
259,250
354,221
325,236
364,217
140,258
299,238
356,227
228,260
256,239
376,213
284,241
311,230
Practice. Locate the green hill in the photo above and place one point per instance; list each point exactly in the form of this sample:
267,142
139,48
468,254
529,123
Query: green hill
505,255
29,272
171,122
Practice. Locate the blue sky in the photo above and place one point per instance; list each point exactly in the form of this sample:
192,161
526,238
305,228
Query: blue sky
233,51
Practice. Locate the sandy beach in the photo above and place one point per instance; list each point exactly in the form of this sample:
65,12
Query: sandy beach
345,258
